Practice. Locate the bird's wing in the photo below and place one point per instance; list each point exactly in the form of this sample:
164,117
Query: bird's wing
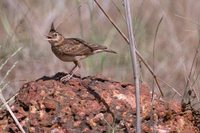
78,47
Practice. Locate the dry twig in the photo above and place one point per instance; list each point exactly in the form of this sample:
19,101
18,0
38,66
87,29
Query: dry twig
137,52
10,111
136,74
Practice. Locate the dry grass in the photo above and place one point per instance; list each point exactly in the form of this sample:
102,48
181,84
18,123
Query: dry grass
24,23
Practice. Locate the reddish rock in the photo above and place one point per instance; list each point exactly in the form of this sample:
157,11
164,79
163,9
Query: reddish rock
91,105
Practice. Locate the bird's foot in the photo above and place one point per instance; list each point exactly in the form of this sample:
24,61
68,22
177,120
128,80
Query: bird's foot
66,78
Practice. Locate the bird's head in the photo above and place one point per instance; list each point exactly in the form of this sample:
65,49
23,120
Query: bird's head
54,37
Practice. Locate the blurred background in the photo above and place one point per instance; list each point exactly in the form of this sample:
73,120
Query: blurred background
24,23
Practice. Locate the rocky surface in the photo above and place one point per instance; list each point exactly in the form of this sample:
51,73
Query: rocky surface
91,105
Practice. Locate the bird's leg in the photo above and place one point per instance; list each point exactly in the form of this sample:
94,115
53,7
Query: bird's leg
75,68
71,73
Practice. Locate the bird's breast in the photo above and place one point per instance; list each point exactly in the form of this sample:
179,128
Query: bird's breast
61,55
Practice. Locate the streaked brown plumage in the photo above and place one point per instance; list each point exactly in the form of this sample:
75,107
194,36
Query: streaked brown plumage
72,49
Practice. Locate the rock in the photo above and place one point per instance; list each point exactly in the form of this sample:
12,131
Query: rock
91,105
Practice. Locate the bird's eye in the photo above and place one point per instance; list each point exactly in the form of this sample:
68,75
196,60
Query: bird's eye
55,34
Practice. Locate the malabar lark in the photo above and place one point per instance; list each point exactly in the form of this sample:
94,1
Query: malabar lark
72,49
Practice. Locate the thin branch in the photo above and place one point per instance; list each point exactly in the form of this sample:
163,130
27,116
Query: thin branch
10,57
171,87
185,95
8,72
10,111
9,100
154,47
195,80
137,52
195,92
136,73
153,123
155,37
111,126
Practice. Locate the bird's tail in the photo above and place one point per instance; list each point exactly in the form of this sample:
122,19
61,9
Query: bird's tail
104,50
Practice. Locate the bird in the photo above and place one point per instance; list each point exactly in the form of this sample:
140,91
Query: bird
72,49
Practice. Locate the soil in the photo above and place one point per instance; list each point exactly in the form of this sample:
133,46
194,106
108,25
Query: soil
93,105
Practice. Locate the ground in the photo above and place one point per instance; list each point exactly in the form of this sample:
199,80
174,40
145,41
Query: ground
92,105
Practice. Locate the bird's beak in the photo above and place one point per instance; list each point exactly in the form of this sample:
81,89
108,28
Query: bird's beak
48,37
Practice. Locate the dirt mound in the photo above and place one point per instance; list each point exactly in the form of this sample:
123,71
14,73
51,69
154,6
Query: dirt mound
90,105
